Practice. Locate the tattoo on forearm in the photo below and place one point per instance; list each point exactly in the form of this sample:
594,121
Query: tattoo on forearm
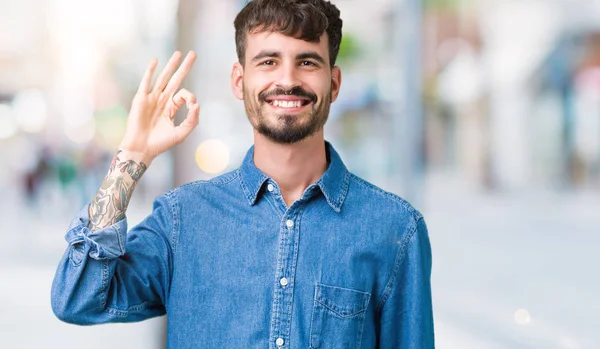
111,200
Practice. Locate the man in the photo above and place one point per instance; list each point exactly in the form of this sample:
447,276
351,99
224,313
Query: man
289,251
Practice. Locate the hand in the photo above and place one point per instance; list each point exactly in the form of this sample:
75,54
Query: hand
150,129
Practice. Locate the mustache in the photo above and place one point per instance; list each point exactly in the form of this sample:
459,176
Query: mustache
296,91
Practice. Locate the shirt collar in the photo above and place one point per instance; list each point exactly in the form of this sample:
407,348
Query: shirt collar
333,184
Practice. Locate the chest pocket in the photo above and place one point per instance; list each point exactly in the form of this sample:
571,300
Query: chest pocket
338,318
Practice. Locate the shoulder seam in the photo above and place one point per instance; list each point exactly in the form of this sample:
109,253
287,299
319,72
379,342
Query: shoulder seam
412,229
213,181
173,238
415,213
173,206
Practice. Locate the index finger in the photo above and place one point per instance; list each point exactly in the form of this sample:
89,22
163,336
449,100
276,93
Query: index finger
181,73
147,78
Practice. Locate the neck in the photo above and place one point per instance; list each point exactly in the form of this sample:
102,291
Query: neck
293,166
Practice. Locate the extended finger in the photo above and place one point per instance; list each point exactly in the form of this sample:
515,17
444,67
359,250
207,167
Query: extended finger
164,76
181,73
147,78
187,126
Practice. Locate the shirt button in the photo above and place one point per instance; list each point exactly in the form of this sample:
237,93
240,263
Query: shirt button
283,282
279,342
289,223
270,187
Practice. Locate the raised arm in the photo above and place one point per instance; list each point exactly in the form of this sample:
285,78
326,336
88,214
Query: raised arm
108,274
150,131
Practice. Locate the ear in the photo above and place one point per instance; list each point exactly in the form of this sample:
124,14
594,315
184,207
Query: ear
237,80
336,82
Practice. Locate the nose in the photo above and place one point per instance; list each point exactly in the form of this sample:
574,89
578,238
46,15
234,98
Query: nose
288,78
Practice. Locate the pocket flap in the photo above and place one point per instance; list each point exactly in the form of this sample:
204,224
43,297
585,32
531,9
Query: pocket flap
342,301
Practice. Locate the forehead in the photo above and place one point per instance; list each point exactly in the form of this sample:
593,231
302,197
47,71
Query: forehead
274,41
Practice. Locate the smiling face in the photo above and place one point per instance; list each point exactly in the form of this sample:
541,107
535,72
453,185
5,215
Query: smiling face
287,85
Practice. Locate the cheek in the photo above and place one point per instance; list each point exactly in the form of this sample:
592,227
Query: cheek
321,84
257,82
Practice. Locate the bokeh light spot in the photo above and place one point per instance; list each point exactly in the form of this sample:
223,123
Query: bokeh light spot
212,156
82,133
522,317
8,125
30,111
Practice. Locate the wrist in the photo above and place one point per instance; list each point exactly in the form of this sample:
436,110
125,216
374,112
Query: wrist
125,154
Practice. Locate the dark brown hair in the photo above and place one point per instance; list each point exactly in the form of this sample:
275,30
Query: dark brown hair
302,19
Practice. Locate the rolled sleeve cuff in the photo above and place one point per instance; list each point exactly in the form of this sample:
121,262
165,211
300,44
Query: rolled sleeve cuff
107,243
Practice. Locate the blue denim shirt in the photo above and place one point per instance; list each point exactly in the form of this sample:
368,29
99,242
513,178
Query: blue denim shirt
347,265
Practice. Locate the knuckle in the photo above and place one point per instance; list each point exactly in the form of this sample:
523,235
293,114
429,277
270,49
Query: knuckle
139,98
139,105
163,98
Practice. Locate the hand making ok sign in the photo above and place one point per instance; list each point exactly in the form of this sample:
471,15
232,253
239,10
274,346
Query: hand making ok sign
150,129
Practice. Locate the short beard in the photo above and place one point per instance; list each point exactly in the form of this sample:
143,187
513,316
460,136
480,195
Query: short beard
287,131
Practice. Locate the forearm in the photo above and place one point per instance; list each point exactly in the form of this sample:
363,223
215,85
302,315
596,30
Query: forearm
111,200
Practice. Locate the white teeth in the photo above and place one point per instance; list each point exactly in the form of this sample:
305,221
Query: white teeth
287,104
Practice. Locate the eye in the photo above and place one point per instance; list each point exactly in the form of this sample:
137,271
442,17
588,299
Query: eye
308,64
268,62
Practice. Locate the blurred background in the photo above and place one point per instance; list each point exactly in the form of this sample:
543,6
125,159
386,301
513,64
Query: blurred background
485,114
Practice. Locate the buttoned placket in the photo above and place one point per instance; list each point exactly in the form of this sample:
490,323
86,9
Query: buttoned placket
287,255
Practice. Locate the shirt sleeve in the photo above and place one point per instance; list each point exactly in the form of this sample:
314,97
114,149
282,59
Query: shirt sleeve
110,275
407,314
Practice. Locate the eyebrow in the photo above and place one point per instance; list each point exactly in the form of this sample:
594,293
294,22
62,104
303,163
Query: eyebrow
300,56
312,55
265,54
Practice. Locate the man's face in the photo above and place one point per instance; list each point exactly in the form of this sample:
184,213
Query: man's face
287,85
